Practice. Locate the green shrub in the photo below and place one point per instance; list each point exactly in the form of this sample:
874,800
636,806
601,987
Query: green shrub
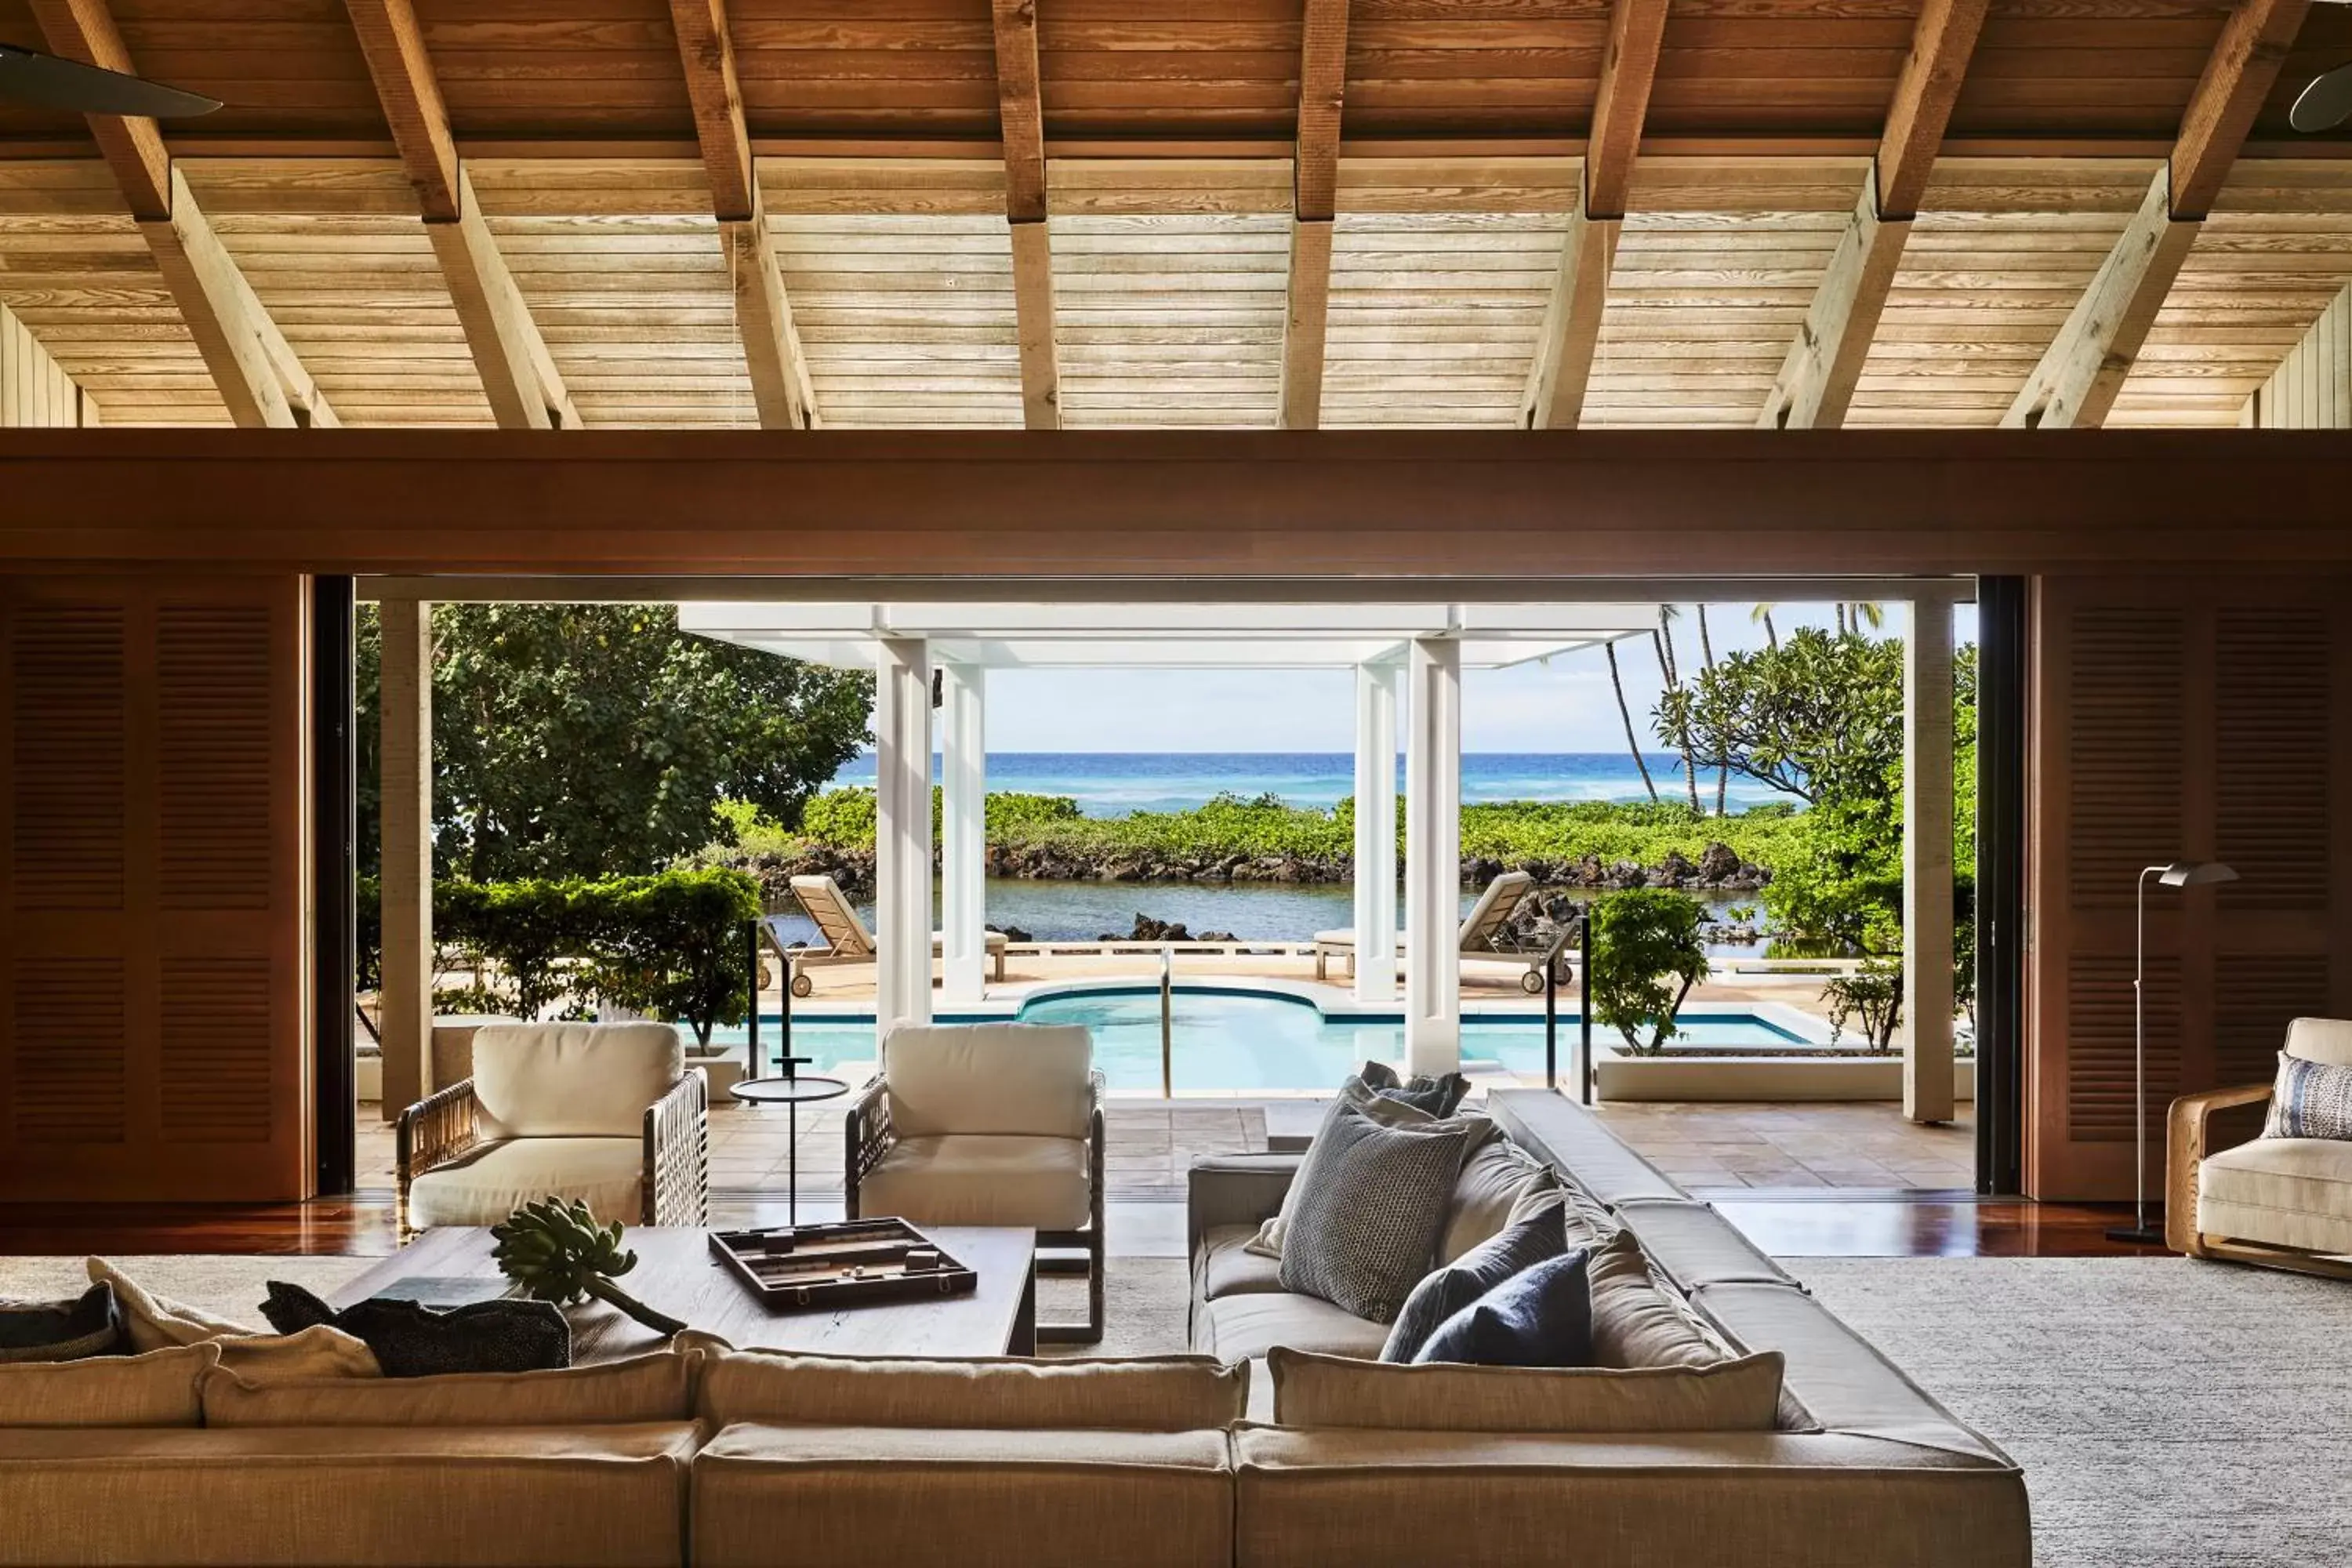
1646,956
1873,993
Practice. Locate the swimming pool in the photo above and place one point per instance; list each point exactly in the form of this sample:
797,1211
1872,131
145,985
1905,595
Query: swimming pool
1242,1041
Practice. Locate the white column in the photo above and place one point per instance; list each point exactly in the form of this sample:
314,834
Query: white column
963,832
902,834
1376,883
405,763
1432,857
1927,861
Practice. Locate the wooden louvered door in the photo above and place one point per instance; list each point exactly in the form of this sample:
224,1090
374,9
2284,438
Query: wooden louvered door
2170,719
152,1018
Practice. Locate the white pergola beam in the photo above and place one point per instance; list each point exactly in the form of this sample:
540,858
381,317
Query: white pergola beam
1432,856
1376,884
963,832
902,835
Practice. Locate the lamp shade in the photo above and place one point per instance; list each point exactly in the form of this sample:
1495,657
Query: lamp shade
2195,874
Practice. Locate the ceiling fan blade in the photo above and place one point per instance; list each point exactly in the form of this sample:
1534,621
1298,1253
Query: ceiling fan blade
49,82
2325,103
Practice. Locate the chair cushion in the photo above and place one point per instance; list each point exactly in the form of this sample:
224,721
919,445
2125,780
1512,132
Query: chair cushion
1029,1079
2286,1191
980,1180
486,1184
1228,1266
573,1081
2328,1040
1243,1328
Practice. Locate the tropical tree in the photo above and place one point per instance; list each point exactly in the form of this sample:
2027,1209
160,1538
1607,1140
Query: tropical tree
1722,771
1670,666
1632,742
1646,955
596,739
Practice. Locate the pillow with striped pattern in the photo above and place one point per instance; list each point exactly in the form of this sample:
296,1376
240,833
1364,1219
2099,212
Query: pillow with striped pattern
2311,1099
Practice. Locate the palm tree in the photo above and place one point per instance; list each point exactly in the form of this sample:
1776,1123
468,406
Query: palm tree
1664,639
1617,682
1763,614
1722,769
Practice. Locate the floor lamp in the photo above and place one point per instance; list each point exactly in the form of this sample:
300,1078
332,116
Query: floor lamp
2179,874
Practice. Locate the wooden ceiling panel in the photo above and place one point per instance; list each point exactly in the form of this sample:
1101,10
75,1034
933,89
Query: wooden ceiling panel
820,67
1178,68
1436,317
1785,66
1702,307
1171,319
527,69
1978,297
280,67
2123,68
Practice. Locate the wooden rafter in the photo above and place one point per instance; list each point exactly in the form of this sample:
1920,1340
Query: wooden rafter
519,376
2084,368
1571,326
1021,115
260,378
1315,180
1817,381
780,389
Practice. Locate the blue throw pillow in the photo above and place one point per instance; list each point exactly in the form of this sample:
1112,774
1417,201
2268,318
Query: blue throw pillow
1539,1317
1445,1292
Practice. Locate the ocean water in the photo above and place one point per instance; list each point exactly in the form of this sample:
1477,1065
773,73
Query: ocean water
1113,784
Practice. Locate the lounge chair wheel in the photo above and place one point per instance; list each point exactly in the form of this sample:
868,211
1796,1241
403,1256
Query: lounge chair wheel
803,985
1532,982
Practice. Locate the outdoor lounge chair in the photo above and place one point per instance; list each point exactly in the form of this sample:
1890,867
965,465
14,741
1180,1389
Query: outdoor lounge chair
1484,934
846,939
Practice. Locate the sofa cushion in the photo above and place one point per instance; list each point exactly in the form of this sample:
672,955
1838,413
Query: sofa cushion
1228,1267
610,1497
489,1183
2310,1099
1493,1178
1370,1207
85,1325
153,1322
1241,1328
157,1389
1540,1317
2328,1040
656,1387
1637,1321
573,1081
1144,1393
1452,1288
1022,1079
1332,1391
1693,1246
911,1497
2286,1191
998,1179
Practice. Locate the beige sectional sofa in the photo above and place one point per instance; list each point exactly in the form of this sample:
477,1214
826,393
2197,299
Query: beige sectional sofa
697,1455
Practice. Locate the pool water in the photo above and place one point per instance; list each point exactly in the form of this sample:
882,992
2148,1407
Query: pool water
1242,1041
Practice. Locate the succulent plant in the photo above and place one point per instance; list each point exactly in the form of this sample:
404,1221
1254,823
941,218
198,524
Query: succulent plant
557,1252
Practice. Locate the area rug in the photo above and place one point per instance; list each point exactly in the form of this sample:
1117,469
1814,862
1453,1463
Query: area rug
2166,1412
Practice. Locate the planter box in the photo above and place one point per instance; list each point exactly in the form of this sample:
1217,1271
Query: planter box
724,1073
1766,1079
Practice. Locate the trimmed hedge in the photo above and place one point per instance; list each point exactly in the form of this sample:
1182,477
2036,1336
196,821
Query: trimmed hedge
671,945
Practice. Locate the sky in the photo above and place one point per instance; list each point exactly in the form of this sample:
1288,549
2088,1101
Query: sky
1566,706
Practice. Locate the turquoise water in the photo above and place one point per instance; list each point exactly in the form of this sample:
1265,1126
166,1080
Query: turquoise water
1243,1042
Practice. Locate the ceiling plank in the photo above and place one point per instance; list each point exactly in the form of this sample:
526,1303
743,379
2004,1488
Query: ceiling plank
260,379
2085,367
1314,182
1817,380
781,391
518,376
1021,115
1554,398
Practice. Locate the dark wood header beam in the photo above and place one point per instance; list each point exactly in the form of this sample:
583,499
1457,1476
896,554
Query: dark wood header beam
1020,117
1171,504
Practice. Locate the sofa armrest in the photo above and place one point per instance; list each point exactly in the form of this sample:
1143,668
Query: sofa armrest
868,1135
2191,1136
1234,1189
677,1153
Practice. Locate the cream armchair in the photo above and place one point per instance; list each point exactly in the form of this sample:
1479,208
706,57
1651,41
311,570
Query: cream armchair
608,1113
2232,1193
989,1124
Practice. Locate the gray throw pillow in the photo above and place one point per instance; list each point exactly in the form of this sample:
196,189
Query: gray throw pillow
1371,1206
1511,1250
1539,1316
90,1324
1438,1094
2310,1099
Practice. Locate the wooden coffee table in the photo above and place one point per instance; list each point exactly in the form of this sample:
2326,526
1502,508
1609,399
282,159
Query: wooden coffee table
676,1273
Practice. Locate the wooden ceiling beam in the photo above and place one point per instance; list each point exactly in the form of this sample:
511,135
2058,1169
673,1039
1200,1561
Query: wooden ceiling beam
262,380
519,376
1817,380
2084,368
1554,398
781,391
1021,118
1314,200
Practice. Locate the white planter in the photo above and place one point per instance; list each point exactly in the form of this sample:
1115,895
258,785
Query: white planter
724,1073
1762,1078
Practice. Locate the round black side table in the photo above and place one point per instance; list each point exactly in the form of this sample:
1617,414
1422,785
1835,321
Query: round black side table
791,1091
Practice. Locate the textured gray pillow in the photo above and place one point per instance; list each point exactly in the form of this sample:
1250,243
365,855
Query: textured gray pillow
1371,1203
